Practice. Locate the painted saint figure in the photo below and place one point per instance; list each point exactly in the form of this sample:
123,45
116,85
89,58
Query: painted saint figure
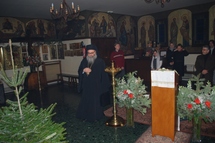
111,29
151,32
143,35
19,29
123,34
174,31
103,25
7,25
41,28
185,31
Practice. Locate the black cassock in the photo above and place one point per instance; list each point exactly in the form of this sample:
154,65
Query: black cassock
179,61
92,87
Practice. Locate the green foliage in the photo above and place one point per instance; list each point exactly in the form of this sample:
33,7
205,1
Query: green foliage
17,78
33,127
198,103
20,122
131,93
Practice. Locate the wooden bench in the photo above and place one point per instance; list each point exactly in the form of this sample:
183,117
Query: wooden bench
71,79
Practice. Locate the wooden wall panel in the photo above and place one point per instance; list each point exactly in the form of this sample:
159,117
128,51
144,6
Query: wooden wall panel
105,47
143,68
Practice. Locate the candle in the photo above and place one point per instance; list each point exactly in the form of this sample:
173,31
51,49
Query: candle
61,5
178,124
11,53
78,8
73,5
2,59
56,11
74,10
1,52
10,43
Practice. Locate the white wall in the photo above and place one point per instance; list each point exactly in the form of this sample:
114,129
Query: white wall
71,63
190,61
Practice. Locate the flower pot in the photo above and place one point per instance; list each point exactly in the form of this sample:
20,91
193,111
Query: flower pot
130,117
197,122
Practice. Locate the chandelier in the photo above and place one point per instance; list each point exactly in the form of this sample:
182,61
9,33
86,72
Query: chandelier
65,11
158,2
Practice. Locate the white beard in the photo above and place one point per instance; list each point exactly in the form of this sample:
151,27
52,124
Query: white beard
91,60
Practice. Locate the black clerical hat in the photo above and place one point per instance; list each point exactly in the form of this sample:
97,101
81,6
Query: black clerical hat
91,47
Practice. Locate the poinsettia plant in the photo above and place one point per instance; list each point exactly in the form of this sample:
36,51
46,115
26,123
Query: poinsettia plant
131,93
198,102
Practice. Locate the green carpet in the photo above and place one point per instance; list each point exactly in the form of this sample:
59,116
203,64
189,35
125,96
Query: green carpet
96,132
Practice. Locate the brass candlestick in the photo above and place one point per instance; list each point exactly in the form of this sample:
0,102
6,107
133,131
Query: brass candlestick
115,120
39,86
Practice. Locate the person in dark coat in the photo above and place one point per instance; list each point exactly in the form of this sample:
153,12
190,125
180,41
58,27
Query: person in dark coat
178,58
205,64
212,51
93,82
169,55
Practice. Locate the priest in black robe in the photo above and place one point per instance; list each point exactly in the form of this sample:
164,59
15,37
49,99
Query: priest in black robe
93,83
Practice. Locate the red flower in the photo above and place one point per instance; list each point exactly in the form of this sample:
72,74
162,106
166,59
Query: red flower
125,92
130,95
208,104
197,101
189,106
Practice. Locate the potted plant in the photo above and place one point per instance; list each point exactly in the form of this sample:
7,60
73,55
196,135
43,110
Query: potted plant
196,104
131,93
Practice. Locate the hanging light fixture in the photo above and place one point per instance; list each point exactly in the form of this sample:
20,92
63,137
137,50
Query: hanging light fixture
65,11
158,2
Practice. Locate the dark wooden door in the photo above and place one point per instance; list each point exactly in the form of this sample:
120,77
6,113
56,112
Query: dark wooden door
105,47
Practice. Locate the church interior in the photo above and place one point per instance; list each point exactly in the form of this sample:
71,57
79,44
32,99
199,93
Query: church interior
55,41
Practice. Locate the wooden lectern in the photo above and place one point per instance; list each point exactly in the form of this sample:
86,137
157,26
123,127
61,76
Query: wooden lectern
164,86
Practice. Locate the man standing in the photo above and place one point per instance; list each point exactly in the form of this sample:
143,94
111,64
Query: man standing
212,46
169,55
93,82
212,52
178,58
205,64
117,57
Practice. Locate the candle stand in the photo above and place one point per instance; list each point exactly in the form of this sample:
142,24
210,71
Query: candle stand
115,120
39,86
